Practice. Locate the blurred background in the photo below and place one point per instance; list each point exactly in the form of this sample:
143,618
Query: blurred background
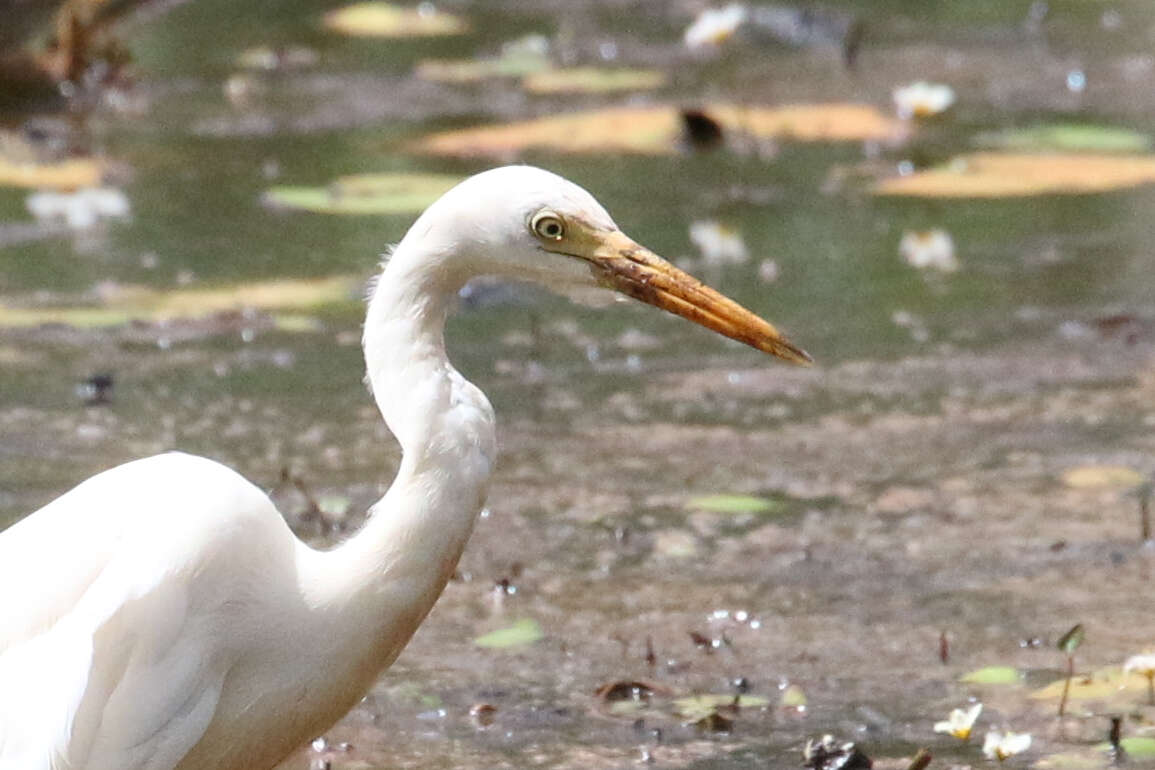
949,205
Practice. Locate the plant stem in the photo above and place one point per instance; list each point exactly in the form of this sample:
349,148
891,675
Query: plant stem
1067,684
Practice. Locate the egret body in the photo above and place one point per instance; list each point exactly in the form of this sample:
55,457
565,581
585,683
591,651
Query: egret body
162,615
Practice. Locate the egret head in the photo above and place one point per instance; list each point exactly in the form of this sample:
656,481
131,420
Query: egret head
525,223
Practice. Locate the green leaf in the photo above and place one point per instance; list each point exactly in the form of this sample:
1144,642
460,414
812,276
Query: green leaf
733,504
360,194
993,675
1067,137
697,707
523,632
793,697
1070,641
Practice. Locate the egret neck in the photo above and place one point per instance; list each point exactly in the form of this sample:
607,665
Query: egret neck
390,573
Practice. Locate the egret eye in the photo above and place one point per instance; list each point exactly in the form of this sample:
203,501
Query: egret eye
548,225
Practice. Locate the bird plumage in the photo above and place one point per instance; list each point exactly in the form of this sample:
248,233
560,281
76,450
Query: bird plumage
161,615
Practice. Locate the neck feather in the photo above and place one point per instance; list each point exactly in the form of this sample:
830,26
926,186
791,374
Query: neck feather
381,583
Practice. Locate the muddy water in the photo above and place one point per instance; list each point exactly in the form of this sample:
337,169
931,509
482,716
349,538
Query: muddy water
915,473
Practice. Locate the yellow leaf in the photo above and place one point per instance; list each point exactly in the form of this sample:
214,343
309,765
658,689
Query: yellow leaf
63,175
656,129
1005,175
592,80
130,303
376,19
1101,476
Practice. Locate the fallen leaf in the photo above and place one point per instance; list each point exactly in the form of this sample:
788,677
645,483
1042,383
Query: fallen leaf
992,675
593,80
523,632
360,194
138,303
657,129
377,19
1102,476
1006,175
71,174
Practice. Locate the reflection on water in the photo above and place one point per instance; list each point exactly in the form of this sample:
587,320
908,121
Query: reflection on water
918,465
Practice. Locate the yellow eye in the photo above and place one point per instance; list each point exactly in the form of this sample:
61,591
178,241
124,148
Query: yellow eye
548,225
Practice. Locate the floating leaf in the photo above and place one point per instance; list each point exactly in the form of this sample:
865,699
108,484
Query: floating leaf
377,19
696,707
1066,137
658,129
476,70
733,504
359,194
1070,641
128,303
1140,748
793,697
1135,747
593,80
69,174
1102,476
523,632
993,675
1005,175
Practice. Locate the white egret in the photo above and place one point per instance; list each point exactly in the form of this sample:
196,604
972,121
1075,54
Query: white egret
162,615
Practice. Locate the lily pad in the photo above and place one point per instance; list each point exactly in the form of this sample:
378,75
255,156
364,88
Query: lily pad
1066,137
377,19
697,707
1140,748
657,129
1109,683
993,675
1007,175
1102,476
137,303
69,174
360,194
593,80
523,632
733,504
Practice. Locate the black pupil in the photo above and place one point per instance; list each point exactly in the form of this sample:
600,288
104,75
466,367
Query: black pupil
552,229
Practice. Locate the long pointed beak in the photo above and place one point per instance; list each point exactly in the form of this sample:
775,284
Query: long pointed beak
625,266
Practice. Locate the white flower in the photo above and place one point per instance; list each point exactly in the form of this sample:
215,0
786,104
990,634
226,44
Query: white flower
719,244
928,249
1002,745
715,26
960,722
80,209
1143,663
922,99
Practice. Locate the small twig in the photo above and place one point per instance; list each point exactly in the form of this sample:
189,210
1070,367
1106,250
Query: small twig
921,760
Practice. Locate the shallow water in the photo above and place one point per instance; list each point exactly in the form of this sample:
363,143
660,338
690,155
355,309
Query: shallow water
915,471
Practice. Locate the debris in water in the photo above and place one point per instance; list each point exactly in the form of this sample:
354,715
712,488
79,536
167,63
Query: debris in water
829,754
483,714
96,389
